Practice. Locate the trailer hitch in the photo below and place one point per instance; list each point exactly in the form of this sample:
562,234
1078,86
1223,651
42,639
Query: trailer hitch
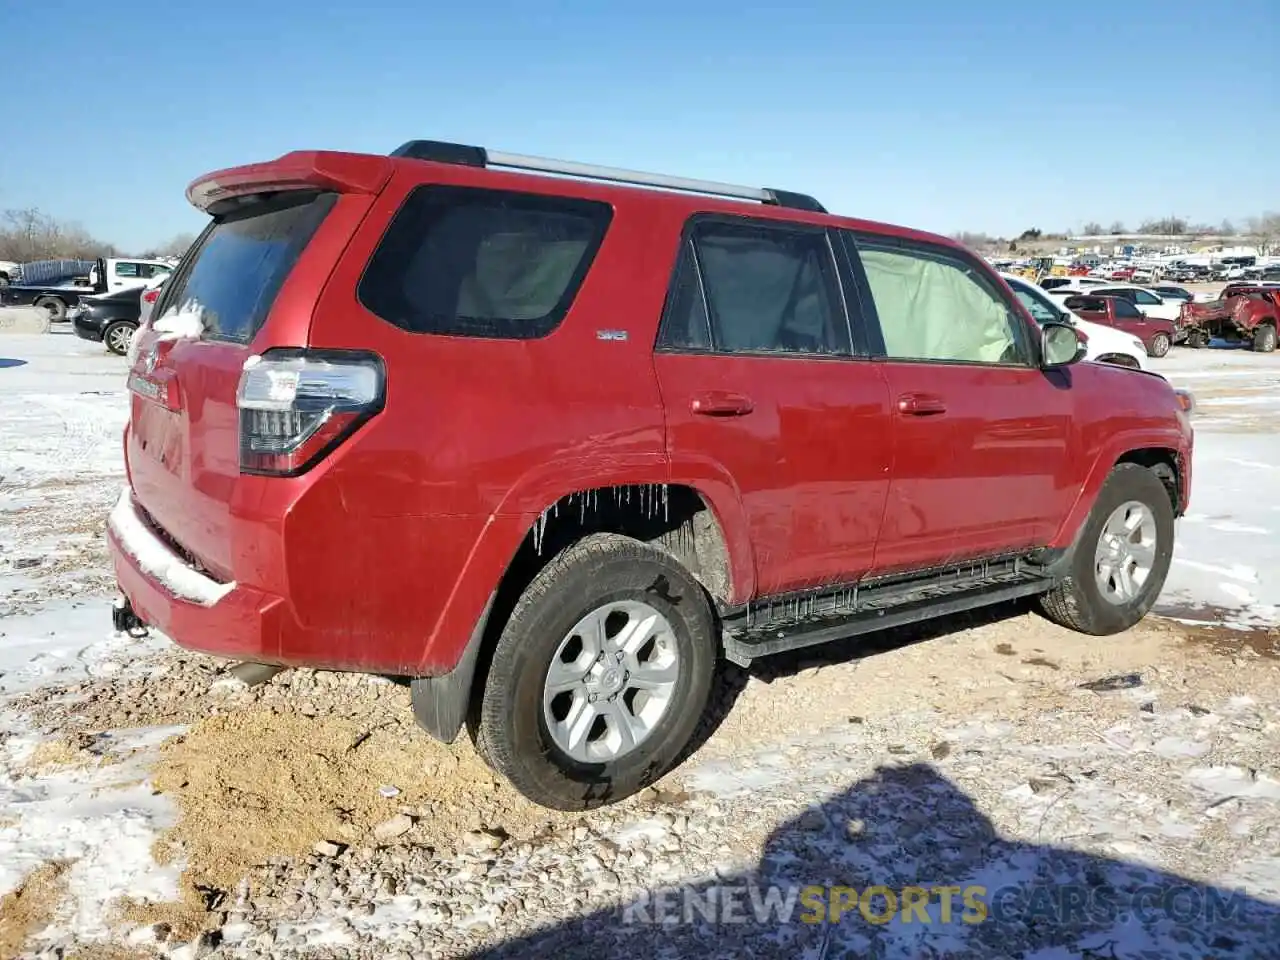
124,620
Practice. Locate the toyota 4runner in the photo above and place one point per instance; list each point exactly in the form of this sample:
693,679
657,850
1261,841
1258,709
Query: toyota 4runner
552,440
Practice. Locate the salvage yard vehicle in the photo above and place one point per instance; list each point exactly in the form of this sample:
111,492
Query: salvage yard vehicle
1243,313
1117,312
1103,344
60,295
110,319
552,440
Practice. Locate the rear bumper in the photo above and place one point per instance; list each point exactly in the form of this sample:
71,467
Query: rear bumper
199,613
86,330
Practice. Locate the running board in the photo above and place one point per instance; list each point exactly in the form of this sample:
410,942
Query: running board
795,621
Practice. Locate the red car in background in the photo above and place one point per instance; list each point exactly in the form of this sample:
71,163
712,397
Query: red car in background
1156,334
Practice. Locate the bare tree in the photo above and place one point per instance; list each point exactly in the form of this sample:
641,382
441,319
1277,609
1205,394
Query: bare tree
1092,228
1166,226
28,234
1265,230
1116,229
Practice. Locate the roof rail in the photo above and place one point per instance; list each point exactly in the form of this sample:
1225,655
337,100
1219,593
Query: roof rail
441,152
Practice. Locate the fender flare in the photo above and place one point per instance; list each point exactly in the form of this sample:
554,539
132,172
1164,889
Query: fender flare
1103,462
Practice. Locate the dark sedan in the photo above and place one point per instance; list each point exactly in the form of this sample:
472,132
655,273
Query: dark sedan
111,318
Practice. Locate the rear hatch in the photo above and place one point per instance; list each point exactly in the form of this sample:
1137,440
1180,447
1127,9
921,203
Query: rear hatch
249,283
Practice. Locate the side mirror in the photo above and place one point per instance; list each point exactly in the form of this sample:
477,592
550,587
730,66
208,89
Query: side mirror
1060,345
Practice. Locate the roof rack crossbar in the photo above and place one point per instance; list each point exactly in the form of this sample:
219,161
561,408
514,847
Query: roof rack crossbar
440,152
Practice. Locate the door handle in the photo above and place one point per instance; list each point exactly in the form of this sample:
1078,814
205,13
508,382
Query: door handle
717,403
921,405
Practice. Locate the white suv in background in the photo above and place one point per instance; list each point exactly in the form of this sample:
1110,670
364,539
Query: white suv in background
1105,344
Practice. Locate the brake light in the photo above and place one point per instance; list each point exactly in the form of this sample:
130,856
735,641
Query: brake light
297,405
151,296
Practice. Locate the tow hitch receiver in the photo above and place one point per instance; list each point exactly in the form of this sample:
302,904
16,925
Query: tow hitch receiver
124,620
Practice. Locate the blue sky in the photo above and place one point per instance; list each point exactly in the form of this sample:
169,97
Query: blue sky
990,115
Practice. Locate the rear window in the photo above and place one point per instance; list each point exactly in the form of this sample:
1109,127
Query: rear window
233,275
466,261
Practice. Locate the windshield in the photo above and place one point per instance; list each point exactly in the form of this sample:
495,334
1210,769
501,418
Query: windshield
1041,308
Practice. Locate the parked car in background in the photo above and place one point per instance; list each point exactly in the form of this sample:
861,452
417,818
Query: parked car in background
1104,344
150,294
59,295
121,274
1170,293
8,272
1248,313
109,318
1151,304
1117,312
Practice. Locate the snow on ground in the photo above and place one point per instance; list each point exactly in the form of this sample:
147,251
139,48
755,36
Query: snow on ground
972,759
1227,560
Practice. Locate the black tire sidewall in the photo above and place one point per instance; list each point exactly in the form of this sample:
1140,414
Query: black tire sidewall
1264,339
56,309
513,730
1127,482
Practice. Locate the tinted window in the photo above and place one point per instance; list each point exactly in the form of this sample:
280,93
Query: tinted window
934,305
769,288
1126,310
684,322
239,264
1088,304
1144,298
486,263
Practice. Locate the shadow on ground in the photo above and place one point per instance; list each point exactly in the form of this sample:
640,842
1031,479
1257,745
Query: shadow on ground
912,833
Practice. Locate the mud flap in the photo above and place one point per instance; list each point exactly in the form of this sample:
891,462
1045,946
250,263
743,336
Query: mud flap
440,703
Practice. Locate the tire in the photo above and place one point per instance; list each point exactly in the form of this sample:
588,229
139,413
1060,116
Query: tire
517,718
1264,338
57,308
1197,339
118,336
1160,345
1079,602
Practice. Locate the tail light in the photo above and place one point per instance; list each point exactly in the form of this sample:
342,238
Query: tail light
297,405
151,296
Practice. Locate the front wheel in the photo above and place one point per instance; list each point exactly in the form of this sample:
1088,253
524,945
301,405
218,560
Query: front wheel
118,336
1121,557
1160,345
1264,338
601,675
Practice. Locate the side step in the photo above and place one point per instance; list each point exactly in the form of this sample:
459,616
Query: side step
778,624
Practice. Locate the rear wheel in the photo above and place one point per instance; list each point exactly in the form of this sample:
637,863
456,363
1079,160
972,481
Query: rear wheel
1160,345
1121,557
119,335
1197,339
1264,338
601,675
57,308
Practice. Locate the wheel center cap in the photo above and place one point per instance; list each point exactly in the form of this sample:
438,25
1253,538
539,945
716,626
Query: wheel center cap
611,680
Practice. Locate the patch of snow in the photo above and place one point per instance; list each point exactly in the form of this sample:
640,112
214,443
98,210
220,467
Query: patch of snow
185,322
156,559
103,820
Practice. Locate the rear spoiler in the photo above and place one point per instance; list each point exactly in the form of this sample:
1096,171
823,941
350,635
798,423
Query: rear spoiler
300,170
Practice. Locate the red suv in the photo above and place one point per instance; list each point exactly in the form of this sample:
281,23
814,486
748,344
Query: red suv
552,446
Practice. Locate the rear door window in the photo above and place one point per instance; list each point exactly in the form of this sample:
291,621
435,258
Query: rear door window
466,261
233,275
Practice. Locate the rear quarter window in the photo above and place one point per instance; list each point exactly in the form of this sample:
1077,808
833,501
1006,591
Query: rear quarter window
466,261
232,276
